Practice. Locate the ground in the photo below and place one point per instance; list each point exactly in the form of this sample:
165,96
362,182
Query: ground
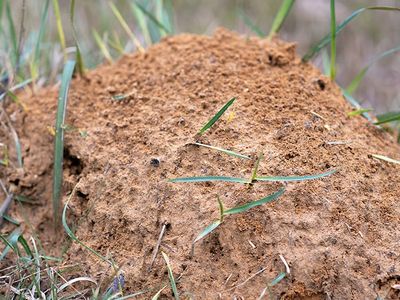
339,235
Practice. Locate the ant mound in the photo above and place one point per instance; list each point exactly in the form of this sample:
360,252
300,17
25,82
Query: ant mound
132,127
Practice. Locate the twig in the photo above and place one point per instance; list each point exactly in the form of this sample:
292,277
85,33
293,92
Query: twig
155,251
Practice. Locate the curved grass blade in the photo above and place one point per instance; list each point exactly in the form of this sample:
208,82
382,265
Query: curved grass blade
333,41
209,178
294,178
280,17
25,245
387,159
358,112
355,104
163,29
171,276
125,26
232,153
10,242
249,23
72,235
327,39
352,87
217,116
387,118
157,295
79,59
245,207
59,138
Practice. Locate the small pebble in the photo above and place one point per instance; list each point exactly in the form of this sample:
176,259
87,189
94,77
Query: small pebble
155,162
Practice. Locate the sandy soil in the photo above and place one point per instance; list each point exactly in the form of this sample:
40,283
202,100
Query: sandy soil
339,235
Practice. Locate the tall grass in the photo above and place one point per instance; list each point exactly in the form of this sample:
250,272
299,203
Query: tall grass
59,138
280,17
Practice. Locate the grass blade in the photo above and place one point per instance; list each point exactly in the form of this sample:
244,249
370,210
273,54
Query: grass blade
245,207
217,116
163,30
387,118
256,165
349,98
171,276
387,159
360,75
327,39
60,29
140,18
249,23
295,178
59,138
42,28
358,112
10,242
102,46
125,26
280,17
333,41
157,295
223,150
12,34
209,178
79,59
207,230
25,245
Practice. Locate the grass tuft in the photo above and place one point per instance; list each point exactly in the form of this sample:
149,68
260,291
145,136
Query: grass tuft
217,116
59,138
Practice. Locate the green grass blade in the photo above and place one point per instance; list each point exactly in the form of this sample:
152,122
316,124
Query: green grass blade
295,178
327,39
102,46
59,138
125,26
79,59
326,64
25,245
249,23
387,159
358,112
12,34
355,104
354,84
217,116
387,118
245,207
11,242
42,28
207,230
11,220
280,17
333,41
60,29
232,153
163,30
140,18
72,235
171,276
209,178
277,279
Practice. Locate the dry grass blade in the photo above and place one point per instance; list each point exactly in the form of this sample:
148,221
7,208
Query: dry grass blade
125,26
387,159
209,178
295,178
280,17
327,39
217,116
59,138
72,281
171,276
232,153
245,207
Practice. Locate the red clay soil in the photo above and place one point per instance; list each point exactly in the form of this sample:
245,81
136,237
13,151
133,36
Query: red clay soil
339,235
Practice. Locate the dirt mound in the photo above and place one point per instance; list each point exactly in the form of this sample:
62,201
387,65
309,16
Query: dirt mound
338,234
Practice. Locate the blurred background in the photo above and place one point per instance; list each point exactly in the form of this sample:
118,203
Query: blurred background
365,38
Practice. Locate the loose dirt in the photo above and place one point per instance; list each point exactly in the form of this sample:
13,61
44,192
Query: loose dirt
339,235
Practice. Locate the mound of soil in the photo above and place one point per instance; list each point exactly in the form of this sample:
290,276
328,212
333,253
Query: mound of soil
339,235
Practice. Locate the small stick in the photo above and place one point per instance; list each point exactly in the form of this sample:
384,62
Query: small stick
155,251
251,277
